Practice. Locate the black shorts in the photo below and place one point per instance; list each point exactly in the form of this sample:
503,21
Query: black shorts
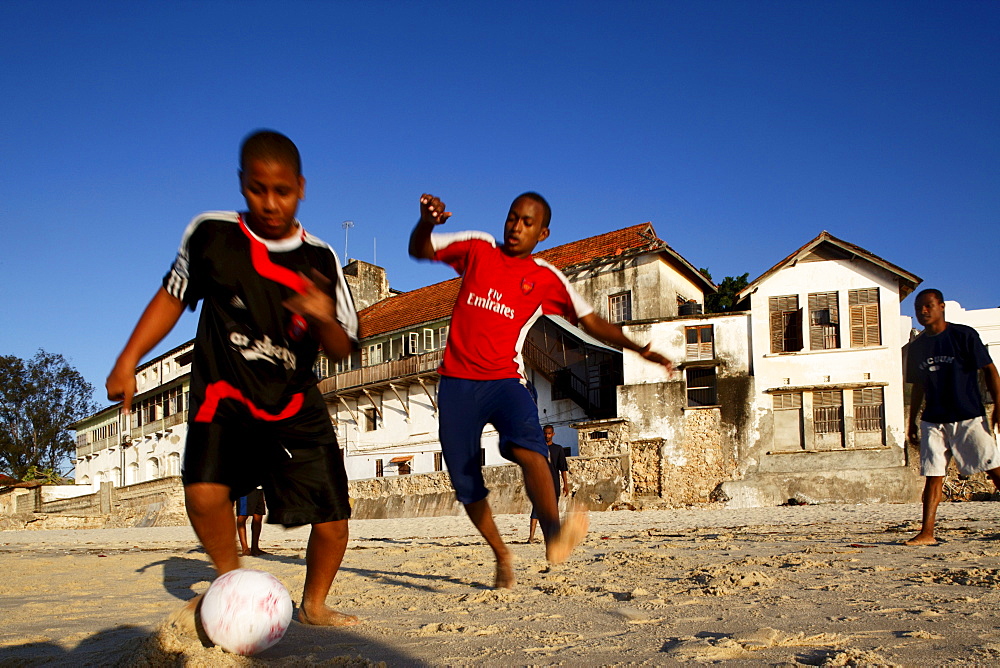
251,504
304,479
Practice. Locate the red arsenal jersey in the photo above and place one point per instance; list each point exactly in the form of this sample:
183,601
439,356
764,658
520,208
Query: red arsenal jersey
500,298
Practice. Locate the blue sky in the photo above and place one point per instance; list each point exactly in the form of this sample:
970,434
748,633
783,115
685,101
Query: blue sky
740,129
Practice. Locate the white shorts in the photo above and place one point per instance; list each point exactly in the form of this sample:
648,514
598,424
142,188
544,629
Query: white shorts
971,442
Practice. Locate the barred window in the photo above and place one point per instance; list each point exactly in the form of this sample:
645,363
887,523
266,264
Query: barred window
701,387
378,468
620,307
824,321
828,411
865,329
868,408
786,324
438,462
700,343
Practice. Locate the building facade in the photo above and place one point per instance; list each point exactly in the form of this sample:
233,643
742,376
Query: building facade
147,443
797,395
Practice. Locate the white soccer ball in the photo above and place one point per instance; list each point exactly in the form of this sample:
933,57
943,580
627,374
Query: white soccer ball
246,611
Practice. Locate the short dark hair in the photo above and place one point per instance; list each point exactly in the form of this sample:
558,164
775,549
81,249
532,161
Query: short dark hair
548,426
270,145
930,291
532,195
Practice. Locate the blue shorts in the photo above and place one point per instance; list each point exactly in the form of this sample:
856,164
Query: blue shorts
466,406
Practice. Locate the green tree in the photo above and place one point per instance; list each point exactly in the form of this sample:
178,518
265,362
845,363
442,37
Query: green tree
726,298
39,399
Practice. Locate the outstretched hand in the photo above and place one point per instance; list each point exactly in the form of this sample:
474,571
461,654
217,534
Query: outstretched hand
432,210
656,358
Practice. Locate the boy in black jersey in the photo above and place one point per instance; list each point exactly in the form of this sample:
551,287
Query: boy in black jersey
271,295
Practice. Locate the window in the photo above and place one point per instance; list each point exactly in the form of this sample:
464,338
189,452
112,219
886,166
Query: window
824,321
403,468
412,344
827,411
378,468
370,421
868,409
700,343
865,330
322,367
482,456
375,354
701,387
786,324
343,365
442,336
438,462
620,307
428,339
787,421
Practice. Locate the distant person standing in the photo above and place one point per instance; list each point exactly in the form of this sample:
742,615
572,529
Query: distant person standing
251,505
943,365
558,467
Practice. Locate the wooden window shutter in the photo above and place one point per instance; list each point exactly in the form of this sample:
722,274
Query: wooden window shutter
865,327
786,323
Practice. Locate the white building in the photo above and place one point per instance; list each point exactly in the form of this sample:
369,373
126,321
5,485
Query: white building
383,402
148,443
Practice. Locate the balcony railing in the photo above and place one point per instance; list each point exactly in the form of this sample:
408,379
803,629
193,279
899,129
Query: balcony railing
385,372
158,425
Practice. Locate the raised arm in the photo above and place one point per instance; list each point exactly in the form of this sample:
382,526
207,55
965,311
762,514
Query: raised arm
613,334
432,212
160,316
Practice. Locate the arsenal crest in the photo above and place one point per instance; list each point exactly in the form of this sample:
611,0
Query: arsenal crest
527,286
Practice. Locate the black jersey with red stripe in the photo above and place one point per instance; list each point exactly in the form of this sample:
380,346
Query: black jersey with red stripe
253,357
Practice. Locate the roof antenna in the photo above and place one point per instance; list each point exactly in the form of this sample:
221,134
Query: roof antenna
347,225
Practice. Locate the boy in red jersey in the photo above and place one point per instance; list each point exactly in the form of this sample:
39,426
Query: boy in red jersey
504,290
271,294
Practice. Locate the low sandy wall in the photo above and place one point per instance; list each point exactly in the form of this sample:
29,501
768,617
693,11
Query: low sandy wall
597,482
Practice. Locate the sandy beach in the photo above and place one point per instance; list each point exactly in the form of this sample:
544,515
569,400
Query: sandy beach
805,585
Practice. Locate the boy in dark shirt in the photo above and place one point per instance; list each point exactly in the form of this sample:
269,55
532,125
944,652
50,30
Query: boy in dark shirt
943,364
271,295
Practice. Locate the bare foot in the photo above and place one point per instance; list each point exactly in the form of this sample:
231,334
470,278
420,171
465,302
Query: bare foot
573,530
505,574
185,618
244,553
922,539
256,552
327,617
187,621
532,539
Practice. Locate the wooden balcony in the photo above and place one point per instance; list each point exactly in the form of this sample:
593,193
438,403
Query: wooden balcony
372,377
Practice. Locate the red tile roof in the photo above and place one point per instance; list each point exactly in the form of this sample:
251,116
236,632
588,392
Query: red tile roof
434,302
603,245
427,304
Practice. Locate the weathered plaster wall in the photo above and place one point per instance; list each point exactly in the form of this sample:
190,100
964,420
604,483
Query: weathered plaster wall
368,283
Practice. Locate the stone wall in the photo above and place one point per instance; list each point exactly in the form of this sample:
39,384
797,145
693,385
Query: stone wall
598,483
705,460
